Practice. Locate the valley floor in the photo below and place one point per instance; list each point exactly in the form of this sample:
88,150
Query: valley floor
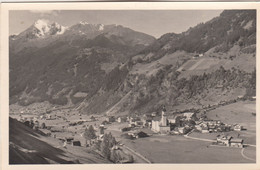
192,148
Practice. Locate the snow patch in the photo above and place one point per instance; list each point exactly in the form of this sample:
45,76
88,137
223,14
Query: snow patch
248,25
46,27
101,27
63,29
83,22
43,26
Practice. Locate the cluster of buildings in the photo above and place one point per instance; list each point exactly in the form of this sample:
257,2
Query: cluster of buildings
178,123
208,126
70,140
175,123
229,141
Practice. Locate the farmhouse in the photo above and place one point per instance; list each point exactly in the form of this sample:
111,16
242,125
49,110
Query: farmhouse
132,120
238,127
188,115
229,141
101,129
147,120
140,134
183,130
236,143
69,140
204,129
76,143
110,119
223,140
92,118
121,119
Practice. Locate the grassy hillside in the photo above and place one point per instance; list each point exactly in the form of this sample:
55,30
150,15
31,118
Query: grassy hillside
28,146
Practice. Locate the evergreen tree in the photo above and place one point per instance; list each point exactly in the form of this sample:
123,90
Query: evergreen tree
90,133
105,150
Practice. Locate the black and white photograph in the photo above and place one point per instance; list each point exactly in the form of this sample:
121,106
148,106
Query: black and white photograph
132,86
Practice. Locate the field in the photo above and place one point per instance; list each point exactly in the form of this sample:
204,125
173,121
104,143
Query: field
152,67
178,149
240,112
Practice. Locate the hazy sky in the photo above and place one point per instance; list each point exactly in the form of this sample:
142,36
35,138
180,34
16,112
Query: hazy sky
153,22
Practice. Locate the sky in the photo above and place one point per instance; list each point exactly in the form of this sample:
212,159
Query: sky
152,22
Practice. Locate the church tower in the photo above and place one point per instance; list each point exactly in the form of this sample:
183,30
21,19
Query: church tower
164,117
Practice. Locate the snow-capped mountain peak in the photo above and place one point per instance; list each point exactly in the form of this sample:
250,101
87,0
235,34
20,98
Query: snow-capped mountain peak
83,22
45,27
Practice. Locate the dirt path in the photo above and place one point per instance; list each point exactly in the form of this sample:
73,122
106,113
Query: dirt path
201,139
244,156
137,154
196,64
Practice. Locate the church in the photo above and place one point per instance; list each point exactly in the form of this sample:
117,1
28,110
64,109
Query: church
161,125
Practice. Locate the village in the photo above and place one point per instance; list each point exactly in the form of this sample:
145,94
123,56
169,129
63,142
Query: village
70,126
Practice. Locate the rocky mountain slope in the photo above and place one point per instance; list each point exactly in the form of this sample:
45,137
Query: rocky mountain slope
112,69
65,68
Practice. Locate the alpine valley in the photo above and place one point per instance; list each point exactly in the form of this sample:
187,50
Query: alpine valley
95,93
99,68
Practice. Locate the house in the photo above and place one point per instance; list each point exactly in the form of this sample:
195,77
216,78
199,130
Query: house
131,125
139,123
196,56
121,119
69,140
105,122
188,115
235,142
182,130
125,129
132,120
198,127
115,147
204,129
110,119
147,120
101,129
165,129
92,118
154,114
223,140
238,127
141,134
76,143
172,118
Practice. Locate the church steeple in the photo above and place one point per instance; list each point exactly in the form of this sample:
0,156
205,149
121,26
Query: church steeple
164,119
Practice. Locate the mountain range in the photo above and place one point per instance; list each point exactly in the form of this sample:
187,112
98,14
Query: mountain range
112,69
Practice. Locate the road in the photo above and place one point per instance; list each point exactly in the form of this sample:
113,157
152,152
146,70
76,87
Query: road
244,156
137,154
208,140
